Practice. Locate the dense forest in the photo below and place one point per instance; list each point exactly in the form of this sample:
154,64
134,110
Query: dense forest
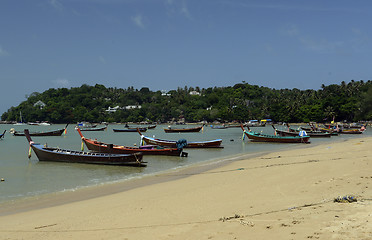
344,102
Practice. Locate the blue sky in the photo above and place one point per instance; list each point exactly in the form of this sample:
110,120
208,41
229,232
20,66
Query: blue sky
166,44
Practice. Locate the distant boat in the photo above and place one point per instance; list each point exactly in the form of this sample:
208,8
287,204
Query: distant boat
21,120
182,130
54,154
130,130
92,128
57,132
2,135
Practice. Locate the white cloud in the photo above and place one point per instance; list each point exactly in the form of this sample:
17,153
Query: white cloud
138,21
185,11
321,45
56,4
3,52
62,83
316,44
102,59
177,8
291,30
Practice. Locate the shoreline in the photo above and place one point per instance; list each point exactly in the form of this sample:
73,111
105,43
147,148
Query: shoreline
285,194
90,192
87,192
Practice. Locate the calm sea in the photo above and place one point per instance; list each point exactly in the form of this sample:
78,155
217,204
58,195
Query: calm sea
24,177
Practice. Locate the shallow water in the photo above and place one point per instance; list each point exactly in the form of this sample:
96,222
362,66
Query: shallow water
25,177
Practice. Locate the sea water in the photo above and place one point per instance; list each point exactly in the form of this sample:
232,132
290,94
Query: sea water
27,177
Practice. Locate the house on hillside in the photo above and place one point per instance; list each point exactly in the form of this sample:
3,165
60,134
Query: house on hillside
39,104
112,110
195,93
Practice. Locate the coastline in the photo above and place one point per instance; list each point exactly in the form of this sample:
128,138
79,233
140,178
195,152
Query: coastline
90,192
286,194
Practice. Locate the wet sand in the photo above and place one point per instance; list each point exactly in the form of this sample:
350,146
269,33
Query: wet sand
280,195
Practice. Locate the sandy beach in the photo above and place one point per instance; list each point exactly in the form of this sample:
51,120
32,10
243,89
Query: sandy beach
282,195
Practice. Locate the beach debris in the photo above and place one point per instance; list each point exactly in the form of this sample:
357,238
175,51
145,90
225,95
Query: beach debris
44,226
246,223
345,199
224,219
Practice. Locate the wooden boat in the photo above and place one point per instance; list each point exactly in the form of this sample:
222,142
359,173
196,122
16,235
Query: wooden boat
53,154
41,134
171,143
2,135
130,130
182,130
151,127
259,137
92,128
293,132
97,146
351,131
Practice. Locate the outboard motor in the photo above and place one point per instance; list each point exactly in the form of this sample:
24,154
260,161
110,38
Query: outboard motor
180,144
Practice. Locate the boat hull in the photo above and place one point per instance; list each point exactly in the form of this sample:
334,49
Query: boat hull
130,130
258,137
60,155
173,144
151,150
41,134
97,146
296,133
182,130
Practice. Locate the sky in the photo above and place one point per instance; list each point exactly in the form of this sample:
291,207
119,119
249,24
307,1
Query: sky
166,44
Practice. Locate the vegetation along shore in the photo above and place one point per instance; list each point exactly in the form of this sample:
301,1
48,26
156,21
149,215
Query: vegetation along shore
340,102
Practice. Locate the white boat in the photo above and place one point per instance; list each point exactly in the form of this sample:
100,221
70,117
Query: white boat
21,120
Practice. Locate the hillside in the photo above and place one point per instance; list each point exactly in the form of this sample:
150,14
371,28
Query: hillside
347,101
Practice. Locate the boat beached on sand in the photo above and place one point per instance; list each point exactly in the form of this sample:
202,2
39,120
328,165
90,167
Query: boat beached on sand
53,154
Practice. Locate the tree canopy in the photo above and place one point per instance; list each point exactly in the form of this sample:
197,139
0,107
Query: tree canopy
346,101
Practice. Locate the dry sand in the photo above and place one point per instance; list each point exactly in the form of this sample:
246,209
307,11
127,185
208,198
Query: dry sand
282,195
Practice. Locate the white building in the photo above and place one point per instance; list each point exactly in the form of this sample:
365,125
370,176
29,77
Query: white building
111,110
195,93
40,104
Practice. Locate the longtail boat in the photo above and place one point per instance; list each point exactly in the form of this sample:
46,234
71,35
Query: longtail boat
182,130
57,132
351,131
92,128
129,130
294,132
2,135
259,137
97,146
53,154
151,126
216,143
